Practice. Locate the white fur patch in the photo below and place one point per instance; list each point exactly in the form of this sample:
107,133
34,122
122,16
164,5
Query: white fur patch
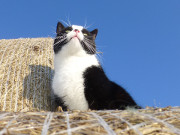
68,83
73,33
77,27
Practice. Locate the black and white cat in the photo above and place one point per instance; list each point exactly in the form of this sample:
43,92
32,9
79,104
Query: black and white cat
79,81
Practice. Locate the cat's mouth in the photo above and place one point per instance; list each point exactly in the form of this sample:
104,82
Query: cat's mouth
75,37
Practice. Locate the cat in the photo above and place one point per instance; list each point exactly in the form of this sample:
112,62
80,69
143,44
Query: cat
79,82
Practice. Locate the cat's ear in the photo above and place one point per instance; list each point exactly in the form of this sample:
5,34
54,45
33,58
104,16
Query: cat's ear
59,28
94,33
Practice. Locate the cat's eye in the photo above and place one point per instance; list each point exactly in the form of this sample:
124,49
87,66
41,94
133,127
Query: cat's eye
85,34
67,31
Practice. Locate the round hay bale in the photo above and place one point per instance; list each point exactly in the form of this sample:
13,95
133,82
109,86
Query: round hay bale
149,121
26,68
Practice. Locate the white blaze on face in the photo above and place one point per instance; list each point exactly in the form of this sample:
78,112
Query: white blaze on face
77,27
76,33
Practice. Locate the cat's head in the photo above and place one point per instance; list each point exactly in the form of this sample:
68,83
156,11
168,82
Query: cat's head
75,35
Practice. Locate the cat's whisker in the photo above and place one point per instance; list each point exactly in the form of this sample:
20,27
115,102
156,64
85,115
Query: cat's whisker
89,25
54,33
60,41
65,23
99,56
88,40
90,47
89,37
62,35
58,37
85,24
90,43
69,22
87,45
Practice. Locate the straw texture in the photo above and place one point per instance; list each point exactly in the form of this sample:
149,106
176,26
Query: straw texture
149,121
26,68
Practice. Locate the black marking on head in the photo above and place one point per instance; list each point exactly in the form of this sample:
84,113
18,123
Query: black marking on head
89,41
66,29
60,27
60,39
94,33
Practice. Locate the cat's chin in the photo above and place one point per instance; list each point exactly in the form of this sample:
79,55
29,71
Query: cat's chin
75,39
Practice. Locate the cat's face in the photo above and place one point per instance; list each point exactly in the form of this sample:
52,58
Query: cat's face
75,35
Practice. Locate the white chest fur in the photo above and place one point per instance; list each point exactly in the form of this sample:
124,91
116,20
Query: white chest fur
68,82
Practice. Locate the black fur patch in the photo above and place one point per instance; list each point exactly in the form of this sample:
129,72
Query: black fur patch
59,40
90,40
59,102
101,93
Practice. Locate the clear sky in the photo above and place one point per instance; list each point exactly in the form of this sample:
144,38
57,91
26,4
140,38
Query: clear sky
140,39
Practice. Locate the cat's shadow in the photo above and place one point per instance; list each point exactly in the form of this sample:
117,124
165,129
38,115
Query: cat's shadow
37,90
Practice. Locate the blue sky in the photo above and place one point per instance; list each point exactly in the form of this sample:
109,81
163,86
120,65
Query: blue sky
140,40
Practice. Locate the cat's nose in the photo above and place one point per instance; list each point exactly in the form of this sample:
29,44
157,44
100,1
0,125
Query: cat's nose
76,30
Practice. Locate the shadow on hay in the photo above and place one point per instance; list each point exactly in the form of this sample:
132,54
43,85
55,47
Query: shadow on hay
37,90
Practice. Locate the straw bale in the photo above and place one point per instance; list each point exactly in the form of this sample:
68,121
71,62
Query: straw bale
26,100
149,121
26,68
